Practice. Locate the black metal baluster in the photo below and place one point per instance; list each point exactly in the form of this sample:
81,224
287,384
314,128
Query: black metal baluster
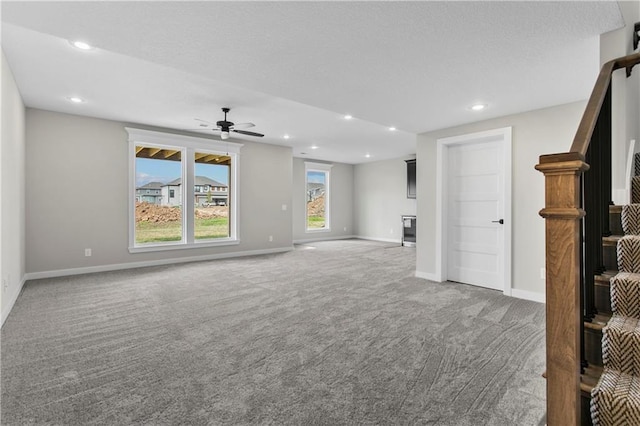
596,198
583,358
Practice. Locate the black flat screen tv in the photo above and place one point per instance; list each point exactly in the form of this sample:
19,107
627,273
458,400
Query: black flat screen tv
411,178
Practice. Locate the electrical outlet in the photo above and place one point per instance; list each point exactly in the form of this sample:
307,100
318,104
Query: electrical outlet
5,284
391,231
345,229
284,207
87,252
270,238
543,273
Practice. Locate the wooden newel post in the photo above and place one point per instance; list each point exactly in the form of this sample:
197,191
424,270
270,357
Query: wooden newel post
562,213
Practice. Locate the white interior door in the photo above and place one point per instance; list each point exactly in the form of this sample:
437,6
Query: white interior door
476,211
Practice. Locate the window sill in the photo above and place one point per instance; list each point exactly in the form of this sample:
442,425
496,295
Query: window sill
182,246
315,231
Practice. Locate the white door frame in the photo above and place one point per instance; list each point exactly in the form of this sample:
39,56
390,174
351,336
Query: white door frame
442,210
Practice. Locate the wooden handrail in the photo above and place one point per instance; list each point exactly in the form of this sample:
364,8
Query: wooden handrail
563,213
591,113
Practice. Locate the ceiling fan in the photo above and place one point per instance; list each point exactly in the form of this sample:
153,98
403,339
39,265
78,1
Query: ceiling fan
224,126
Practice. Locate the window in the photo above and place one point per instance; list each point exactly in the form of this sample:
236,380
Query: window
183,216
211,220
317,197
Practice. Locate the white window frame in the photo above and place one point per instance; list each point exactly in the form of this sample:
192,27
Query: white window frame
188,145
326,169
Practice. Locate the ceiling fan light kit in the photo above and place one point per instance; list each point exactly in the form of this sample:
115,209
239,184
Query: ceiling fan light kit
225,127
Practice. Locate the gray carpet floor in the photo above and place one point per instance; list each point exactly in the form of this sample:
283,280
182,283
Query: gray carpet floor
336,332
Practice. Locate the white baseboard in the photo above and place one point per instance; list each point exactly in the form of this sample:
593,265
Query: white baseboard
384,240
428,276
313,240
528,295
519,294
12,301
132,265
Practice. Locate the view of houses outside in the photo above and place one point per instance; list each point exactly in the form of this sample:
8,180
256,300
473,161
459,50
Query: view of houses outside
159,201
316,189
156,221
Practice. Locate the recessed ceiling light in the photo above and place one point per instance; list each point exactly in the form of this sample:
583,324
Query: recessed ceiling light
75,99
286,136
478,107
368,156
314,147
348,117
80,45
392,128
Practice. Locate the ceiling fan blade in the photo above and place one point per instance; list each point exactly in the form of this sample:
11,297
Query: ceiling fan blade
205,121
244,132
243,125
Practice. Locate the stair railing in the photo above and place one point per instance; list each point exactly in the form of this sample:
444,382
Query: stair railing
576,219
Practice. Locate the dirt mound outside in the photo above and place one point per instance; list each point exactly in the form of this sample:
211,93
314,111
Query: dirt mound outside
147,212
316,207
212,211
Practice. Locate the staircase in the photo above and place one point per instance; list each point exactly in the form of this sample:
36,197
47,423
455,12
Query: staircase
593,277
615,400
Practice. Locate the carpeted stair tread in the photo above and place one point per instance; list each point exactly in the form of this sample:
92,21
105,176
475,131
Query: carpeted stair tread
611,240
625,294
604,279
630,217
628,251
621,344
615,401
598,322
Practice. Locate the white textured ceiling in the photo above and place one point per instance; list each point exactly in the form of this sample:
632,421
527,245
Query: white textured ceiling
297,67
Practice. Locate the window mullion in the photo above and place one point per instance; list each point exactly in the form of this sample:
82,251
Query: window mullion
188,196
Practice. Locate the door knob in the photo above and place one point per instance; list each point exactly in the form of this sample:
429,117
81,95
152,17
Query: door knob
501,221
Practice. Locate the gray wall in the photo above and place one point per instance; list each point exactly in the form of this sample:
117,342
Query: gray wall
12,223
381,199
535,133
625,97
76,189
340,203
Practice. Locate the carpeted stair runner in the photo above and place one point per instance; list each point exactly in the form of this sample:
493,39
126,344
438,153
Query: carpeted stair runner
615,401
625,292
635,189
622,333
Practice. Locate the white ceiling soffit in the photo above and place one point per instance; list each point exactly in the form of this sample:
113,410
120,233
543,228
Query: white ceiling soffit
298,67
